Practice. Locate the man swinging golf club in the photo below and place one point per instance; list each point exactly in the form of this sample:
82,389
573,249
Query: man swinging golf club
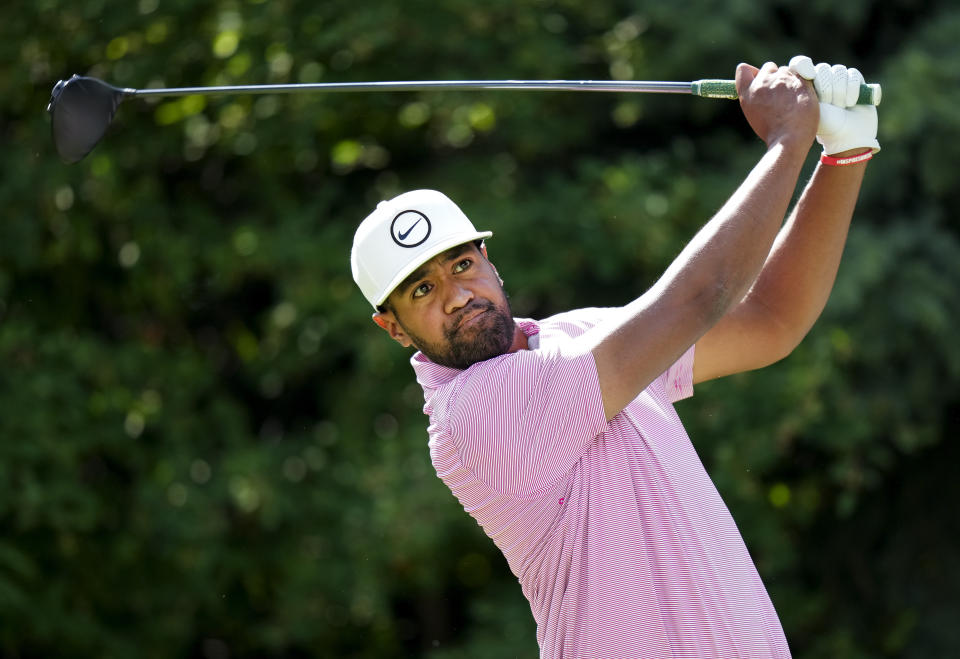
559,436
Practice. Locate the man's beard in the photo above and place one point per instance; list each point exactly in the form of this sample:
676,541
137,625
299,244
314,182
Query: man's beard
489,335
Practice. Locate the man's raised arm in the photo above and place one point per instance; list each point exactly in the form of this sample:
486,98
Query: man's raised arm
717,267
795,282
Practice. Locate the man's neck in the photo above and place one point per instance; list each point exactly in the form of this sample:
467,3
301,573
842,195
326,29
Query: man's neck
519,340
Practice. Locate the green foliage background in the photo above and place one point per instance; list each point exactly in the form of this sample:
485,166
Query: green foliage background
207,449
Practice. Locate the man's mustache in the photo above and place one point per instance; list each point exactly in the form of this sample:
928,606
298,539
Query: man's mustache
486,305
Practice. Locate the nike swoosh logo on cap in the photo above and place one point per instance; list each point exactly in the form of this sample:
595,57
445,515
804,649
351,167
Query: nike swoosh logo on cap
403,236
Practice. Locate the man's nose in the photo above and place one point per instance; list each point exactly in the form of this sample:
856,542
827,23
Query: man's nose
458,297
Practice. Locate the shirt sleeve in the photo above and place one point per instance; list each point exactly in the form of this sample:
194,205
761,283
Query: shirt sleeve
523,420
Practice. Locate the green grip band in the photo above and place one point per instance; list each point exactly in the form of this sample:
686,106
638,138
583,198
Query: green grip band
870,94
714,88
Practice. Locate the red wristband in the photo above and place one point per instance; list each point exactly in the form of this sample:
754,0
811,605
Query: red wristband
847,160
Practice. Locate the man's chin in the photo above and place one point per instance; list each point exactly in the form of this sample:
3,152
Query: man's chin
484,337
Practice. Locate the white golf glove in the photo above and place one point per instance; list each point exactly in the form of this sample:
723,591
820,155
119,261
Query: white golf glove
843,125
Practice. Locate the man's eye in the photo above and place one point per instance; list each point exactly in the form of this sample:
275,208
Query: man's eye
421,290
463,265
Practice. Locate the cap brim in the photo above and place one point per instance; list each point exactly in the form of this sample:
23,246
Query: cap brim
441,246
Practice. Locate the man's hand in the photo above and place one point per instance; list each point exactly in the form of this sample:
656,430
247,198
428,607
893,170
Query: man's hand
844,125
778,105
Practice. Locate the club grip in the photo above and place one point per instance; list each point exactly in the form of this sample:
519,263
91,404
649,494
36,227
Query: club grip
870,94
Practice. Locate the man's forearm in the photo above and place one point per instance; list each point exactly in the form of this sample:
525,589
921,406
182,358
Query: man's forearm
799,273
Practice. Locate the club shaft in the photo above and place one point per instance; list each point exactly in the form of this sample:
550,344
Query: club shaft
426,85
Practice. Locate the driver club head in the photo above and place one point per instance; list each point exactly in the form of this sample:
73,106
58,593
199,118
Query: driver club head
81,110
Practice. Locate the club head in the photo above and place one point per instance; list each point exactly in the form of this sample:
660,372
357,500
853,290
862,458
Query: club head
81,110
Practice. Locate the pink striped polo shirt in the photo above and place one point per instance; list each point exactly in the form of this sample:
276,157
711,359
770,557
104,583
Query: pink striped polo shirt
617,535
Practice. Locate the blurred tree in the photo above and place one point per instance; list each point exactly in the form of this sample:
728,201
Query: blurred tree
206,449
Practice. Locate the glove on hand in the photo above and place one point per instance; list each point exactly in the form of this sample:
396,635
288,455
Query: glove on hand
843,125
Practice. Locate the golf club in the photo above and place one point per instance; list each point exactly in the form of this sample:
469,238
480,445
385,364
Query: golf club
82,108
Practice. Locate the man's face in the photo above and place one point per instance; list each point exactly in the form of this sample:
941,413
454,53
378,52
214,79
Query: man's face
453,309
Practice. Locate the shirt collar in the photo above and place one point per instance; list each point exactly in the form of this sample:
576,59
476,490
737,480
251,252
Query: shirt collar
431,375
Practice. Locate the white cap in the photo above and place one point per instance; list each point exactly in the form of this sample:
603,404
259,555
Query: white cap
402,234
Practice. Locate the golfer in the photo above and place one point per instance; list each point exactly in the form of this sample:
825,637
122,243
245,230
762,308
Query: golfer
559,436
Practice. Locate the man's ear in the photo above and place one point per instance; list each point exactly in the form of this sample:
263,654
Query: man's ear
388,322
483,250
